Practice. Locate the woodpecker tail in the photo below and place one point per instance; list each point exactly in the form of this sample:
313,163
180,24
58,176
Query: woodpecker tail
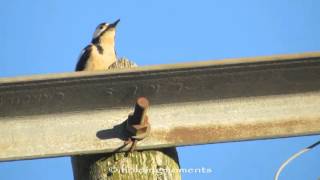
122,63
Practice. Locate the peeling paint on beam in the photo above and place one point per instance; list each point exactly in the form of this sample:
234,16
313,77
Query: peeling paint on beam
200,103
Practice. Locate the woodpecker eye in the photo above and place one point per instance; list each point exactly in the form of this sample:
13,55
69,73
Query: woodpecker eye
101,27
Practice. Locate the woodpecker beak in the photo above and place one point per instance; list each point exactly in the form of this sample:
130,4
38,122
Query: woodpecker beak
113,25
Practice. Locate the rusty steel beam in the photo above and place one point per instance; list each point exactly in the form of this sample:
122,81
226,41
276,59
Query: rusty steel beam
190,103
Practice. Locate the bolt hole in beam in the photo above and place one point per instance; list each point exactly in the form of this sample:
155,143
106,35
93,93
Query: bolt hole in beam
215,101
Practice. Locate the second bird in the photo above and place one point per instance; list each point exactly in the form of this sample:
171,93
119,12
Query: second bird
100,54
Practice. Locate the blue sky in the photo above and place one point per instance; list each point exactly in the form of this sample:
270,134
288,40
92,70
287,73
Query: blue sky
47,36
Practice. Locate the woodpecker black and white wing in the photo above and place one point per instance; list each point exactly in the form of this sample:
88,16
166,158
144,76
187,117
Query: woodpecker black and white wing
83,58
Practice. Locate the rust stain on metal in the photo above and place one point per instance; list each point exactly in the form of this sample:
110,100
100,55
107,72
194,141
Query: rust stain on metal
220,133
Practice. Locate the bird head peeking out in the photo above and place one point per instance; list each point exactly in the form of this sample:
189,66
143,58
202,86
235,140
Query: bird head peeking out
100,54
105,32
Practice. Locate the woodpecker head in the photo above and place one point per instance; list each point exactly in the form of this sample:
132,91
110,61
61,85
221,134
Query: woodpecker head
105,32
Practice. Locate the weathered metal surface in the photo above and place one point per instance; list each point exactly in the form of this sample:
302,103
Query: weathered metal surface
193,103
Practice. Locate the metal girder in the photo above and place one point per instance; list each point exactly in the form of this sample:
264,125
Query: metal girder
191,103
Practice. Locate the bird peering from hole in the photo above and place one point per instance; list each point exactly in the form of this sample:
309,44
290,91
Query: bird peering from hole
100,54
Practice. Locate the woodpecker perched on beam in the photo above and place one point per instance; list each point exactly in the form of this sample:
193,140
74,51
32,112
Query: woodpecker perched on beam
100,54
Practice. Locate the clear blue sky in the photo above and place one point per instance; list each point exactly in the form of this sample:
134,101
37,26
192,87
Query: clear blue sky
47,36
